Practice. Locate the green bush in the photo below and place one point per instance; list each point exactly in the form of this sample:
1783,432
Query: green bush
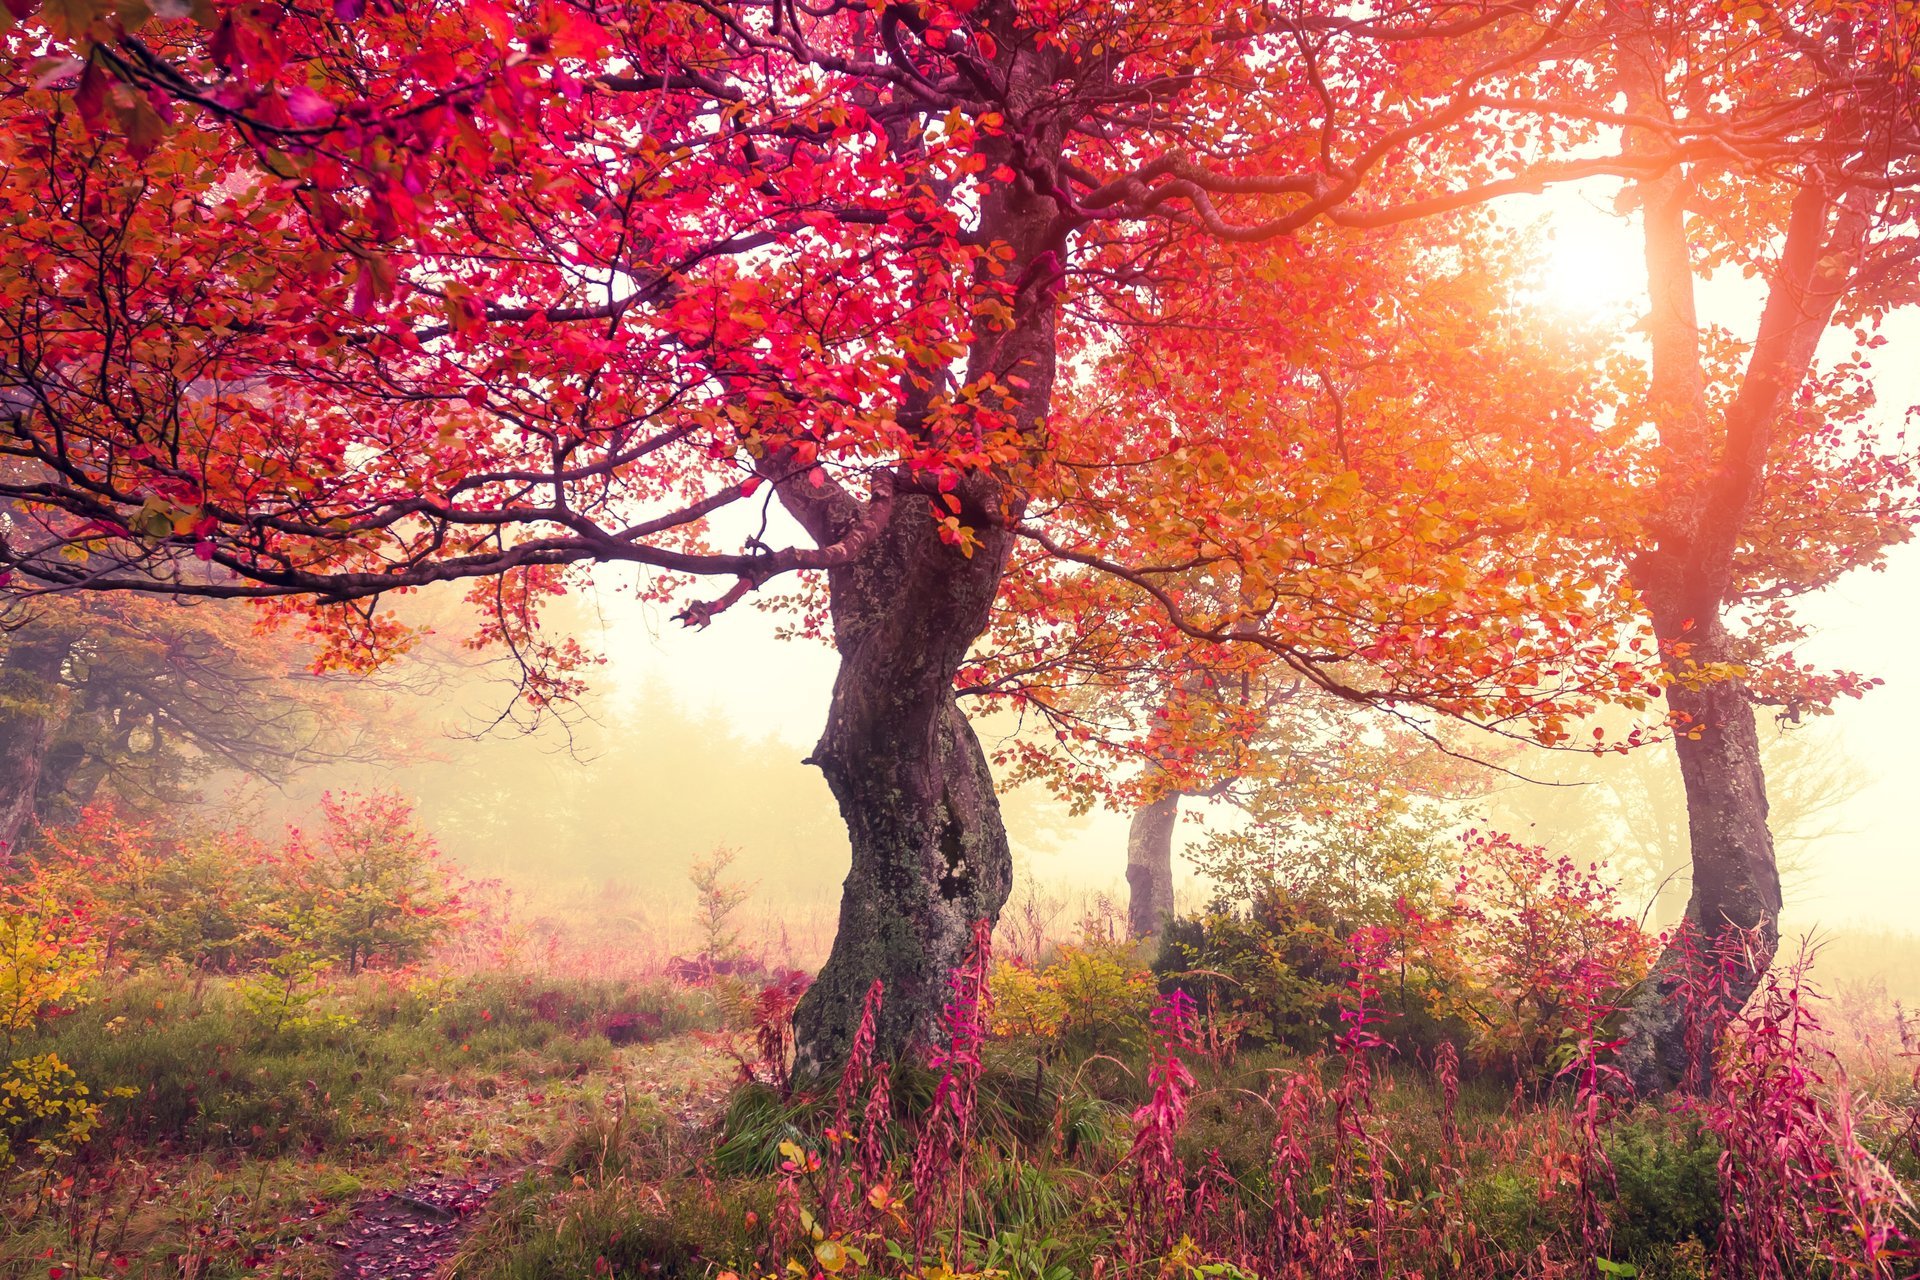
1273,964
1666,1168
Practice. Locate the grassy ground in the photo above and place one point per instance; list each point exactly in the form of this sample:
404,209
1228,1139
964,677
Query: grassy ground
247,1136
238,1147
1050,1192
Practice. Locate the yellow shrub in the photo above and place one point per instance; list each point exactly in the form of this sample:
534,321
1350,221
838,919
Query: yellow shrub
47,960
1025,1004
1094,997
43,1102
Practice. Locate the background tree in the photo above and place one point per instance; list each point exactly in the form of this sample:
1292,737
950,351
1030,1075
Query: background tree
31,701
143,700
1629,809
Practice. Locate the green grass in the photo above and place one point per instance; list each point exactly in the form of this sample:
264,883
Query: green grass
239,1146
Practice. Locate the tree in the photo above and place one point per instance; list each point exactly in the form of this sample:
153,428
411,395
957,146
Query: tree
1761,483
140,699
1629,810
368,889
30,700
1742,473
421,292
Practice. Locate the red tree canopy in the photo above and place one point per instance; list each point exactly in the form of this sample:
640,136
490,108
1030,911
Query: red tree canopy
335,301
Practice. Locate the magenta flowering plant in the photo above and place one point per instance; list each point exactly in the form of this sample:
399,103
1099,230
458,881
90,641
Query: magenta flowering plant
1797,1187
1598,1085
939,1158
1158,1208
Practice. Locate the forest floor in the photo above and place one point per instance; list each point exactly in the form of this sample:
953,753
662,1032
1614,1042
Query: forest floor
414,1232
360,1143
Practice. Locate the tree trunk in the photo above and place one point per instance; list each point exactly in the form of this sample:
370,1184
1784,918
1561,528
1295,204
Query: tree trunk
1150,866
30,697
70,771
930,855
1735,900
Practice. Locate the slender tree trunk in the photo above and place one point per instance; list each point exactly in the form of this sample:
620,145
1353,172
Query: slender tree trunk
1712,470
30,697
1150,866
1735,899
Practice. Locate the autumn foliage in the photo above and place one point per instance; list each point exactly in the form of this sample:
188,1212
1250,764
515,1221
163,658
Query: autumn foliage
363,888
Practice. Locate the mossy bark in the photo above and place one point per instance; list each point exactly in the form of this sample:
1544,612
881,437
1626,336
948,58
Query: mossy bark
930,854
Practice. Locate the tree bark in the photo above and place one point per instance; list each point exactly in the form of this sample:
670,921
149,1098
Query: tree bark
1735,900
69,777
929,852
1150,866
30,697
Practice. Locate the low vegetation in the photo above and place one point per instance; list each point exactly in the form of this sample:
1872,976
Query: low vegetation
1289,1091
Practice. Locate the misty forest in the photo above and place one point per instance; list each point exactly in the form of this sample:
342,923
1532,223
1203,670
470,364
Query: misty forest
959,639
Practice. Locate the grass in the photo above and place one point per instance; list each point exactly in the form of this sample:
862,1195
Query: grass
240,1147
631,1151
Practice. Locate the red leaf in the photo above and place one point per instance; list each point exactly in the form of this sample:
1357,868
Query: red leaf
309,109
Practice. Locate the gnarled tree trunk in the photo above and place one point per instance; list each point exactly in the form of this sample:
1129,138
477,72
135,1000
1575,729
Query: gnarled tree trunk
930,855
1150,866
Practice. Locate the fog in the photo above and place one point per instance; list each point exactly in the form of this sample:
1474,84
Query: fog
692,740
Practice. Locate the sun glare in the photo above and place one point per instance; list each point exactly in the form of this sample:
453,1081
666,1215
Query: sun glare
1589,275
1590,261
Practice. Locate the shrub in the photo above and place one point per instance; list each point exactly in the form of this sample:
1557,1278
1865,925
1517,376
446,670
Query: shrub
48,959
1093,998
1666,1171
369,884
1523,950
282,995
155,892
44,1103
365,888
1275,963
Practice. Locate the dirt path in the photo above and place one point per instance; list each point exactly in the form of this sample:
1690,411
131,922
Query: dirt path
410,1235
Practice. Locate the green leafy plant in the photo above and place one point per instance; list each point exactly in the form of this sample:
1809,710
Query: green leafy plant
286,993
45,1104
